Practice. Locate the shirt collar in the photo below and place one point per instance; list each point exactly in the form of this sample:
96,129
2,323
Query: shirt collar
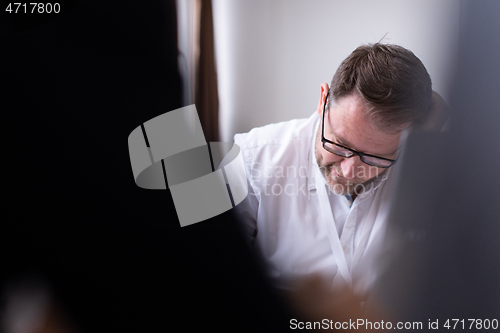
313,164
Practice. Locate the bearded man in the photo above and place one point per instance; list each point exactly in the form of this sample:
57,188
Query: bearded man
320,188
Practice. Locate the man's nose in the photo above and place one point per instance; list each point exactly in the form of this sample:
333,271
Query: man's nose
348,166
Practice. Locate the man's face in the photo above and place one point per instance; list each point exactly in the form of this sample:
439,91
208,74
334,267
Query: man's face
346,124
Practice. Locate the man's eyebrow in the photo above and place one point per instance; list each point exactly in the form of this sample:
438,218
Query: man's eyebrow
342,141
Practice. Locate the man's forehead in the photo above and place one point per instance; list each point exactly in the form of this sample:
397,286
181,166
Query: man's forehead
354,104
349,123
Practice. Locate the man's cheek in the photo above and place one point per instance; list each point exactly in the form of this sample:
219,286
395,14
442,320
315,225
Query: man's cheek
331,158
367,172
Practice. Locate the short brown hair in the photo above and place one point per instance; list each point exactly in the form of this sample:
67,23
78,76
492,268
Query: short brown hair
391,79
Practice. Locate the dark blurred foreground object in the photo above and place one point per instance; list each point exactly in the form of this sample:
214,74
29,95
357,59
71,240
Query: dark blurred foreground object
445,225
112,256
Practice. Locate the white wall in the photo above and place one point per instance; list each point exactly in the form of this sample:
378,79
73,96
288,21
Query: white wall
188,27
272,55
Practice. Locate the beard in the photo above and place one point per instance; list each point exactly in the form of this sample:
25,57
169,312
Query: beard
341,185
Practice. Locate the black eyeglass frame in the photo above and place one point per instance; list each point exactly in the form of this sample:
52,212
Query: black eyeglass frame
354,152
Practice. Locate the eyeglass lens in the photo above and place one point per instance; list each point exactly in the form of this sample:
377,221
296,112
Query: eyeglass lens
374,161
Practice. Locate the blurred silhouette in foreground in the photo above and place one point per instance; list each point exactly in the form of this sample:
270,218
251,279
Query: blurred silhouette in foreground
446,217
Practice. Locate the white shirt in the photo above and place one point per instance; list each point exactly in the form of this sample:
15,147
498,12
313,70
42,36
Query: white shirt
299,229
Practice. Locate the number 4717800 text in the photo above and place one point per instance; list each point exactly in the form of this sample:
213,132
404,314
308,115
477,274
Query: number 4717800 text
33,8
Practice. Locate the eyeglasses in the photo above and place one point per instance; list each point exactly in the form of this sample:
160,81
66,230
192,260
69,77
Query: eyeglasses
340,150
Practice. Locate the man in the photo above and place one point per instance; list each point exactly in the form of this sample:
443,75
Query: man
319,188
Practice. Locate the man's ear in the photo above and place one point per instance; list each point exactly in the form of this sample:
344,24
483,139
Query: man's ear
438,115
322,97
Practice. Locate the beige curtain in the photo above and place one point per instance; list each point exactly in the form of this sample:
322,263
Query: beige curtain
207,97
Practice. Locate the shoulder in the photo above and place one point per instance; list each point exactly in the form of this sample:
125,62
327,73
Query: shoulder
277,134
277,145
